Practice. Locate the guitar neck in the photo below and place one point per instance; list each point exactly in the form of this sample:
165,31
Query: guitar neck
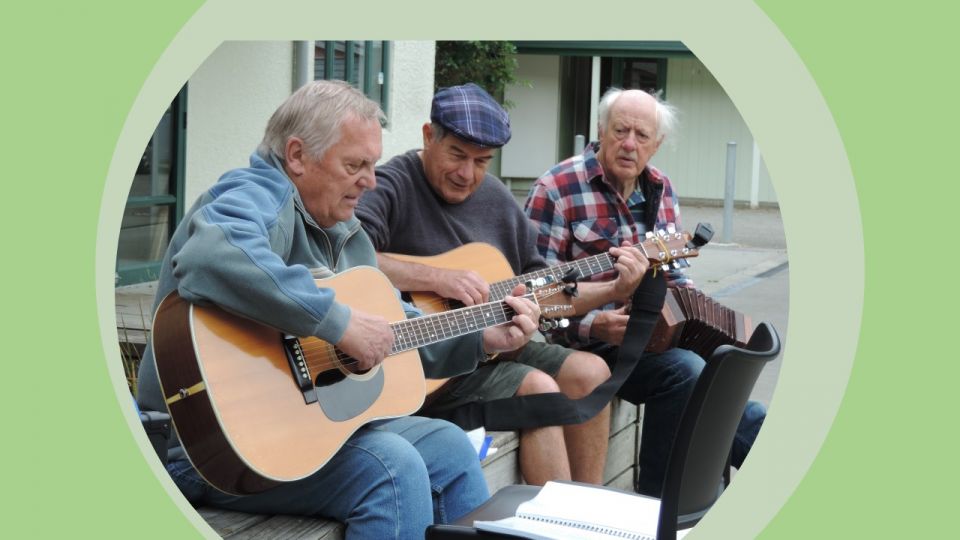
585,267
654,248
414,333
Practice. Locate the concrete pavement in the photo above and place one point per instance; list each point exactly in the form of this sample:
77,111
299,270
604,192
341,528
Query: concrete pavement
750,274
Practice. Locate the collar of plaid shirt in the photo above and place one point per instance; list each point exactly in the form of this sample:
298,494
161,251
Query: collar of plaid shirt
594,173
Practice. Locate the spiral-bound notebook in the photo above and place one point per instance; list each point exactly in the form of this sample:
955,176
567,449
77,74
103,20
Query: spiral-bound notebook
581,512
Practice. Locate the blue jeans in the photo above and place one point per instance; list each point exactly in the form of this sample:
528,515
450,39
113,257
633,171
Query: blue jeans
663,382
391,479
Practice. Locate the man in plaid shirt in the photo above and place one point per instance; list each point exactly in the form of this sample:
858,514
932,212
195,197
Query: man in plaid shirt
601,198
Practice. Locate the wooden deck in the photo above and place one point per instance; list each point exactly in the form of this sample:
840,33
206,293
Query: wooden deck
135,311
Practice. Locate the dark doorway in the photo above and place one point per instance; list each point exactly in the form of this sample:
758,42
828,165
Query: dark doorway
575,100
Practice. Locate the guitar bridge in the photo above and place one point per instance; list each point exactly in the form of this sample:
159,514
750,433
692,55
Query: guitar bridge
298,368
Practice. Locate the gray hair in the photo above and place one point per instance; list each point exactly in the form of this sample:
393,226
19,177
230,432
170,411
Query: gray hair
314,113
438,132
666,113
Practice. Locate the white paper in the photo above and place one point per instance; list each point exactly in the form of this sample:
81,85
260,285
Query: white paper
581,512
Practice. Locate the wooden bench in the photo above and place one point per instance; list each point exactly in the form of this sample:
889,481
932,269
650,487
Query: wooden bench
500,469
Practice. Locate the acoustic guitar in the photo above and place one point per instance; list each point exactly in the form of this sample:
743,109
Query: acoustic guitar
662,247
255,408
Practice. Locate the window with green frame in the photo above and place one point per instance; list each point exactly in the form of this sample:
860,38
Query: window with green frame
155,202
364,64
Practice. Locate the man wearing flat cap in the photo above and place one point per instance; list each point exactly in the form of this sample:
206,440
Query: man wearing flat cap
438,198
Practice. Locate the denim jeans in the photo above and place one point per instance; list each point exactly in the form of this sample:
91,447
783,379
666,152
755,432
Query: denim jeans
391,479
663,382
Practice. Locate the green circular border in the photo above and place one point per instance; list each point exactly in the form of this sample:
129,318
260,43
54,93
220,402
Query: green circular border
783,108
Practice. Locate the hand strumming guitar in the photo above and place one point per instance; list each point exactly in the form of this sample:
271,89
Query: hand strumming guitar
367,339
464,285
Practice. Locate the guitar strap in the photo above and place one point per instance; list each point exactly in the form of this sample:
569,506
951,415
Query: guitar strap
539,410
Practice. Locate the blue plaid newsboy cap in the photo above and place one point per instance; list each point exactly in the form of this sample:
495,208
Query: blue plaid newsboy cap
471,114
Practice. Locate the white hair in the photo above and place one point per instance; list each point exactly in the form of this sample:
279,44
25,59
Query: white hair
314,114
666,113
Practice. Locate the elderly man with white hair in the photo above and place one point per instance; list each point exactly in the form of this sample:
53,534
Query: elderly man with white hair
605,196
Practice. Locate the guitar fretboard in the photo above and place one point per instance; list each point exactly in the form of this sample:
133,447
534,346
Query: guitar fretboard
584,267
414,333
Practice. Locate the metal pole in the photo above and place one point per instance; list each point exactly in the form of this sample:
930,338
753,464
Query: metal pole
579,143
728,190
301,62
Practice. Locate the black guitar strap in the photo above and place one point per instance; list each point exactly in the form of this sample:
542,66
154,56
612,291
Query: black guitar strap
539,410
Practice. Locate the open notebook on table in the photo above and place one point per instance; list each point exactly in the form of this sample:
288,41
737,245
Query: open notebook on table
579,512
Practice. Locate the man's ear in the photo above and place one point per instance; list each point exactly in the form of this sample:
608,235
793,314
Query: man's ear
427,134
294,154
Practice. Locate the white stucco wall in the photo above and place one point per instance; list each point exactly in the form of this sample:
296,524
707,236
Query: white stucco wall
411,92
233,93
696,157
229,100
534,118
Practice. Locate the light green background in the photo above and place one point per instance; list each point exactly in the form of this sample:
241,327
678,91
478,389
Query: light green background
74,73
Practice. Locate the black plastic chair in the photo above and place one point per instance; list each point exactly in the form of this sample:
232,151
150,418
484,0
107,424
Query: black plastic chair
701,449
157,426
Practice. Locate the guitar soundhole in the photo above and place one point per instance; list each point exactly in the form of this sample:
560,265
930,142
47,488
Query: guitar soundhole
329,377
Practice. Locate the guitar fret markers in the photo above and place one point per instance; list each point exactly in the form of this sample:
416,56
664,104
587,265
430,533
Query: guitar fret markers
420,331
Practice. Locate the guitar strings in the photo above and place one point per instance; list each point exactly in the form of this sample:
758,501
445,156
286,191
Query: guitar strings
318,348
322,351
586,266
341,359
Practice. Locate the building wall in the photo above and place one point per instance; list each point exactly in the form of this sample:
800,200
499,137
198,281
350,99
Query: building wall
229,100
411,93
534,117
233,93
695,158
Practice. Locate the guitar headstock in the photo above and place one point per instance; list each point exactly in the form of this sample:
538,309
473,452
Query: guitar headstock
554,303
666,246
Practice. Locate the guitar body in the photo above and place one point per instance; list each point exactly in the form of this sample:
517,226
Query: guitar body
487,261
480,257
235,404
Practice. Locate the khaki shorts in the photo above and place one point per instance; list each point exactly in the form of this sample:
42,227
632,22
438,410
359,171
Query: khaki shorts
501,379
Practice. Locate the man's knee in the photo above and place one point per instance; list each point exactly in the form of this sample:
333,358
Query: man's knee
683,364
457,449
581,373
537,382
389,455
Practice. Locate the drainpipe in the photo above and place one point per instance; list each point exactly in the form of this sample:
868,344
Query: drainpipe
301,63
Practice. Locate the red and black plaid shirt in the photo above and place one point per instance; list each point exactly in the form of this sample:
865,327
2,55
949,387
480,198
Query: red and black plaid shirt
578,212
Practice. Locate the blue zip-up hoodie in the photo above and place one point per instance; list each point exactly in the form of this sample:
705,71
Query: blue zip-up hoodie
249,246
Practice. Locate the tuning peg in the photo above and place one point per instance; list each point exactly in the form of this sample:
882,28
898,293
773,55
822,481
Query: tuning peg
648,235
535,283
702,235
665,267
547,325
671,228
